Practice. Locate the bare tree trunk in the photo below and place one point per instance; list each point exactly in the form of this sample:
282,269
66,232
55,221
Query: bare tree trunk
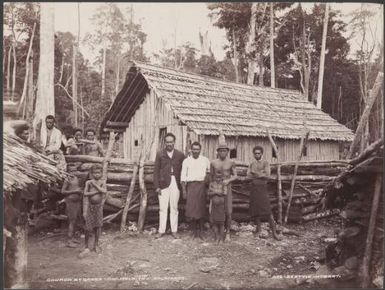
272,62
4,57
61,69
261,69
26,78
365,115
250,46
117,79
74,85
322,58
9,68
45,102
306,77
30,93
104,71
235,59
14,71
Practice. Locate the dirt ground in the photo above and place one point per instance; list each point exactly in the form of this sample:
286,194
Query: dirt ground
138,261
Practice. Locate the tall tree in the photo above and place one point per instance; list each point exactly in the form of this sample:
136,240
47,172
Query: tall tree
107,38
322,58
272,62
45,103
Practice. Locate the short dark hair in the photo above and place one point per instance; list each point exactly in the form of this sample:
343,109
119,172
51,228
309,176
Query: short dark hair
258,148
20,129
170,135
51,117
78,130
196,143
96,166
91,130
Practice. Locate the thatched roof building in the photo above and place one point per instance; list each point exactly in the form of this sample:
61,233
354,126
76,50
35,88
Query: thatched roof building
196,107
23,166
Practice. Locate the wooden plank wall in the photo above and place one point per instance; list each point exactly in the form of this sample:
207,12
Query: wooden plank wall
142,123
289,149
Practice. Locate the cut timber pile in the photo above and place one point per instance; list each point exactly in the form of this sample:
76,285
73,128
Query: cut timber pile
311,178
357,192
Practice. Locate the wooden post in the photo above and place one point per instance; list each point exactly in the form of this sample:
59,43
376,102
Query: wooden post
365,115
129,197
301,147
143,195
16,247
279,181
369,238
111,142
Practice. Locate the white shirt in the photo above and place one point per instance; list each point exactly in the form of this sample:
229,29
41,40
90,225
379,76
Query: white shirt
170,153
54,141
195,169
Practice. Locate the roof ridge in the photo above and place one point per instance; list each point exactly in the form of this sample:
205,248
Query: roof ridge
176,72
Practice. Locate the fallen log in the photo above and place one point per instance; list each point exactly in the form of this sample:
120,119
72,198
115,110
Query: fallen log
367,152
117,202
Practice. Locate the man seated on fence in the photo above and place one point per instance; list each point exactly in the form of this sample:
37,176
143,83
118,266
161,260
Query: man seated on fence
227,168
51,140
258,172
72,191
92,147
217,193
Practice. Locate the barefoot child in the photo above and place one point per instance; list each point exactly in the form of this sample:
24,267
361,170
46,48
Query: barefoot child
95,194
72,192
217,193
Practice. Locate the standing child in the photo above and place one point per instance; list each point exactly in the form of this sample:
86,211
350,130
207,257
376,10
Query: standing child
72,192
95,194
217,193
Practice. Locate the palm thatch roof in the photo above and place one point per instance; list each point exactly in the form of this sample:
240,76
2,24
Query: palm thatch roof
23,165
209,106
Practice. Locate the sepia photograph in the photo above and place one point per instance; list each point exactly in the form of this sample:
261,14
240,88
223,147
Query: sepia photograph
191,145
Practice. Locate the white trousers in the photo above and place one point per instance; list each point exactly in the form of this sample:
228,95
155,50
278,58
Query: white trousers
169,195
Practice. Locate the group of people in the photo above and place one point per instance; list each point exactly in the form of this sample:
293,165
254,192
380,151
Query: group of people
55,144
199,179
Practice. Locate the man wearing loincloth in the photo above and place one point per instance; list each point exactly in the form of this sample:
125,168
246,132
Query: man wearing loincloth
229,174
258,172
194,177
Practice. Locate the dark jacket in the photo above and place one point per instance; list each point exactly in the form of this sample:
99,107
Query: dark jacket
162,169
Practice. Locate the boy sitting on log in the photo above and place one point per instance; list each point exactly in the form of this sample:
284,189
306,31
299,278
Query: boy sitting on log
72,191
95,194
217,192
